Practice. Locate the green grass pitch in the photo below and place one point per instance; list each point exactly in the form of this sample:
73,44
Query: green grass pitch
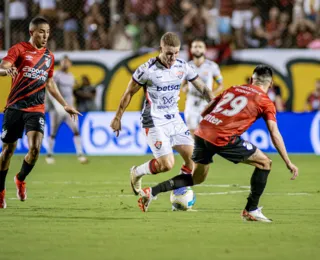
87,212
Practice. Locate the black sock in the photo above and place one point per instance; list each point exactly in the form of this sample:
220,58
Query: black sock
3,175
25,170
176,182
258,183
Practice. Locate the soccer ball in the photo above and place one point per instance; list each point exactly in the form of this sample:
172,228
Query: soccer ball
182,199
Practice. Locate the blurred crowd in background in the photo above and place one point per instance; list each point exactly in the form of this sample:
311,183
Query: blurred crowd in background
134,24
225,25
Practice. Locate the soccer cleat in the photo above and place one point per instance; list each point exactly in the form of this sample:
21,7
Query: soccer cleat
255,215
82,159
21,189
145,199
3,204
50,160
135,181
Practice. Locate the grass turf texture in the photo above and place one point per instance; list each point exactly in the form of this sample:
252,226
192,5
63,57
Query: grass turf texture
79,212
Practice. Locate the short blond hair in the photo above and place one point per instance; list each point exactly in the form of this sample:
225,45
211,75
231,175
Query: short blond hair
170,39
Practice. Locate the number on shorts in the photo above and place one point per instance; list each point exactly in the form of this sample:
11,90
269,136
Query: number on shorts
237,104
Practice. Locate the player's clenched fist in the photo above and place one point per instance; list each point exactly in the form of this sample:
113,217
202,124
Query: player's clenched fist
12,71
116,125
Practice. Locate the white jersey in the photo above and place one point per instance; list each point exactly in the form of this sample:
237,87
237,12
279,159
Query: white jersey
208,71
65,82
162,90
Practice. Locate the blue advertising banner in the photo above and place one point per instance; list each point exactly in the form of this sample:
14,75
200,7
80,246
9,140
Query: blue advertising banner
301,133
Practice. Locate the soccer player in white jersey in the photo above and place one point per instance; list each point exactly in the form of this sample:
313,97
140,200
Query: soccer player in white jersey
160,78
208,71
65,82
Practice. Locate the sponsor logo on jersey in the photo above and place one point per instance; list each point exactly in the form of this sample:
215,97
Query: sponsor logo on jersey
158,145
33,73
212,119
168,88
167,100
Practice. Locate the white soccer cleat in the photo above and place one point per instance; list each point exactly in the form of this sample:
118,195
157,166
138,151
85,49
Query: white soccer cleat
135,181
145,199
255,215
50,160
82,159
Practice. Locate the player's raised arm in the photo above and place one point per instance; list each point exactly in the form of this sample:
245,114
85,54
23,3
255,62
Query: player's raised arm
54,91
277,140
133,88
202,88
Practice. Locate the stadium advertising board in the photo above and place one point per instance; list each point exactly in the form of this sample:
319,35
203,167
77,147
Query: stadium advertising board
301,133
110,71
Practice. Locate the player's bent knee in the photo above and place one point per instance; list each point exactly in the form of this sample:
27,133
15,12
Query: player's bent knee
8,151
34,151
167,166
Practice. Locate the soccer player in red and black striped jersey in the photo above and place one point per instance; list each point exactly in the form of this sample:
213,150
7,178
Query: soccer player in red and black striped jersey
31,65
225,119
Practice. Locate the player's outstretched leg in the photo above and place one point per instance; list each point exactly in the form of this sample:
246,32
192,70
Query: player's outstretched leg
258,183
199,174
5,156
34,141
162,164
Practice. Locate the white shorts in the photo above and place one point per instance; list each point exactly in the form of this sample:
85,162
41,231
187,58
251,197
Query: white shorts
161,139
57,117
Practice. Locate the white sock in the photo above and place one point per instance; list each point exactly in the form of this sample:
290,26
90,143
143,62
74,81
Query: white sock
77,144
143,169
51,142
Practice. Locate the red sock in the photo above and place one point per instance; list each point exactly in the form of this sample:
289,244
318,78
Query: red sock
185,170
152,166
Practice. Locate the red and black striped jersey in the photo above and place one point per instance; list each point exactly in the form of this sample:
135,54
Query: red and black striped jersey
34,68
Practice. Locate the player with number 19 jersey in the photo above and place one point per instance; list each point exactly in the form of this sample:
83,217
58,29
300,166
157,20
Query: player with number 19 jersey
233,112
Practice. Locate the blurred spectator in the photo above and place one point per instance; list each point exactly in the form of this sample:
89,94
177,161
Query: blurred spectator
195,22
302,31
164,18
272,26
18,14
1,25
311,9
119,38
132,30
85,96
313,101
241,15
72,12
48,9
212,17
95,34
274,94
254,33
285,39
226,8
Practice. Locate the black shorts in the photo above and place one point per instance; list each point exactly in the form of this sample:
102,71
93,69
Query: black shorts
236,151
15,121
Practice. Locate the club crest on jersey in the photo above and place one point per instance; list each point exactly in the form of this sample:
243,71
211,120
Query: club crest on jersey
179,74
48,62
158,144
